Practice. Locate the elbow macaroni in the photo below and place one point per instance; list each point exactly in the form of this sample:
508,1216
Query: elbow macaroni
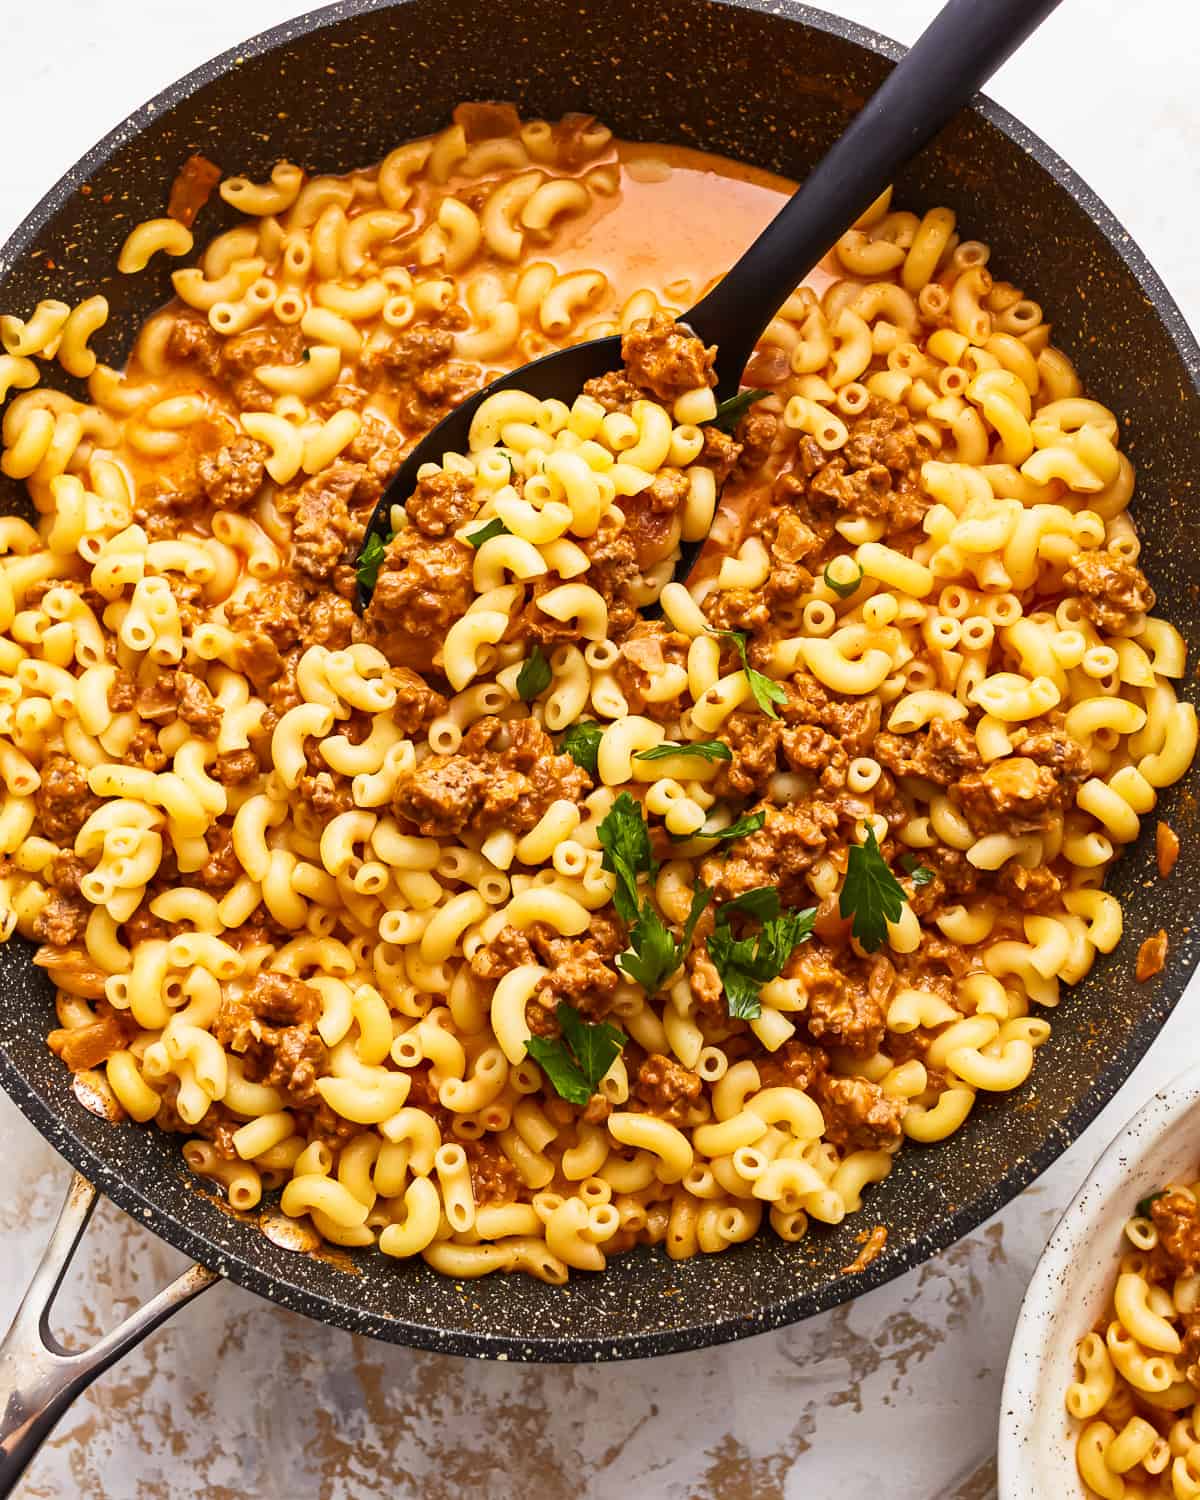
288,869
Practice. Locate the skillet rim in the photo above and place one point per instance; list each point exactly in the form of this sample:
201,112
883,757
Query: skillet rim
952,1227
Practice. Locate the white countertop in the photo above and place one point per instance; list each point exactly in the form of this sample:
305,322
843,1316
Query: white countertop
235,1397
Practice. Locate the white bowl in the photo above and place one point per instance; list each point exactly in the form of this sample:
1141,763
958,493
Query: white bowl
1071,1285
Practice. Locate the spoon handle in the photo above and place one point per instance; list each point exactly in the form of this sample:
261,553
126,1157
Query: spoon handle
960,49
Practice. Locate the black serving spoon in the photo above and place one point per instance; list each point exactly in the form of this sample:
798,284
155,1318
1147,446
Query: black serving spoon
960,49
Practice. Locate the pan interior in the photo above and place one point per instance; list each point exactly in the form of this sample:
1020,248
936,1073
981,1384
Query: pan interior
339,90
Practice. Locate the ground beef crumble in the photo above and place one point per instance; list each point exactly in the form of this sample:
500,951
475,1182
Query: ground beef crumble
423,587
64,801
271,1025
1176,1217
662,358
505,775
1113,592
666,1088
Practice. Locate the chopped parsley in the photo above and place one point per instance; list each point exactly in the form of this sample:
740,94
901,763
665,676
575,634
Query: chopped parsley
705,749
1148,1203
843,587
582,743
918,873
576,1061
731,412
369,560
750,823
494,527
625,840
871,894
654,953
534,676
765,690
761,902
745,964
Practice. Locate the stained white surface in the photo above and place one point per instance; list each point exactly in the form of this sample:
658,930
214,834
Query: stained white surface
236,1397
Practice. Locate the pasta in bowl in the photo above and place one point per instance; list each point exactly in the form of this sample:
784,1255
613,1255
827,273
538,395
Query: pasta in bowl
1105,1325
511,927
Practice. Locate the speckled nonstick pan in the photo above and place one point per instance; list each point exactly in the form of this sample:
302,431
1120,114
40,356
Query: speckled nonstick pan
773,85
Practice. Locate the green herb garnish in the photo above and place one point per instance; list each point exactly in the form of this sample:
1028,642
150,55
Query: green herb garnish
625,840
731,412
494,527
369,560
705,749
653,954
582,743
761,902
843,588
1148,1203
534,676
749,823
765,690
871,894
918,873
746,964
576,1061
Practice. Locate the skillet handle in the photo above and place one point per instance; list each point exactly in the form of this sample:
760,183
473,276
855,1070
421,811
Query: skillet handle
39,1378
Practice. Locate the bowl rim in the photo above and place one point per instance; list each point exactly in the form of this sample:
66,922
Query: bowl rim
1076,1226
197,1243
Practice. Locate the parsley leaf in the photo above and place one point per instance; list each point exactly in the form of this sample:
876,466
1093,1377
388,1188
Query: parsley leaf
625,840
534,676
843,588
576,1061
369,560
871,894
582,743
705,749
701,896
731,412
765,690
651,954
654,955
1148,1203
761,902
746,964
595,1045
494,527
751,823
919,874
556,1062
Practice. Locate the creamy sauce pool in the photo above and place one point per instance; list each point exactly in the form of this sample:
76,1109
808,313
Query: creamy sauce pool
680,220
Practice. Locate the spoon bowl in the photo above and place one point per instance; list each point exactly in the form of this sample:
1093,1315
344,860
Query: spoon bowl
562,370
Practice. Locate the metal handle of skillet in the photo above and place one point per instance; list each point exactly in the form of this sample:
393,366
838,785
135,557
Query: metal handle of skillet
39,1378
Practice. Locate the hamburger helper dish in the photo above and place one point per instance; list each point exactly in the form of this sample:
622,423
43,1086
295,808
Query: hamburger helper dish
1138,1384
509,925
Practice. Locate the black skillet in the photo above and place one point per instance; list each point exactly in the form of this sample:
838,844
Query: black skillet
772,83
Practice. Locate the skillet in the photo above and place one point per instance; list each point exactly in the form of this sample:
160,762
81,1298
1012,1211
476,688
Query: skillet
338,88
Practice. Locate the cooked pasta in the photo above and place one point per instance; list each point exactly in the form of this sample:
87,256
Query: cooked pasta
507,926
1136,1398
